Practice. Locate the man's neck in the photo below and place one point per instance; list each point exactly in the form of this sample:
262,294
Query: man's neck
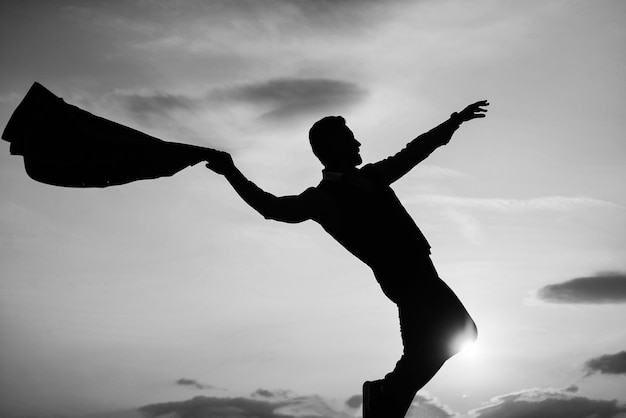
332,173
328,174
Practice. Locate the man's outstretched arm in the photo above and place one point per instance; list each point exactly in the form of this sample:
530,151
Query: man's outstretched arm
290,209
417,150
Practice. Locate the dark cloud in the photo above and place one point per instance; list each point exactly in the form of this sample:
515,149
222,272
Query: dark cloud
354,401
288,97
263,393
553,404
607,364
273,395
194,383
202,407
601,288
146,105
273,99
261,404
572,389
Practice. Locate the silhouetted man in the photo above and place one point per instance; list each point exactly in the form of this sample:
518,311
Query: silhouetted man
360,210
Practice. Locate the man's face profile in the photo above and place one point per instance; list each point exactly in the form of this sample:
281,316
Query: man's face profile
334,144
345,148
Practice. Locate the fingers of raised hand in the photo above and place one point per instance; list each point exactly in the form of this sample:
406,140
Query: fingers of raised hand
478,108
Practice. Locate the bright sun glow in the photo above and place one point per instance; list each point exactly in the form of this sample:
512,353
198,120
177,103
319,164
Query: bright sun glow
465,342
469,348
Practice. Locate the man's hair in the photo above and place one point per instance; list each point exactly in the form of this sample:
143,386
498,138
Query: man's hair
321,135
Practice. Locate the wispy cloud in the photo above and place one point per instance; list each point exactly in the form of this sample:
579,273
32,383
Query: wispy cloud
470,227
607,364
145,103
288,97
272,99
222,29
425,406
264,18
437,172
550,203
598,289
463,210
548,403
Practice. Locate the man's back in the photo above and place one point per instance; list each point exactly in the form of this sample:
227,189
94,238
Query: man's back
363,213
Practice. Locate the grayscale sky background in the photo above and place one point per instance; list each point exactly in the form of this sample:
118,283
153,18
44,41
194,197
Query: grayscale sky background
164,291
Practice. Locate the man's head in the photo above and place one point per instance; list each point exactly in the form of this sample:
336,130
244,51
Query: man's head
334,144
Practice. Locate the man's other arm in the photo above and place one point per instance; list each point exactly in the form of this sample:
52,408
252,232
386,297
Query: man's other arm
292,209
420,148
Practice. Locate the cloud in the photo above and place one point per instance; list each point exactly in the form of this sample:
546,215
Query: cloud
354,401
271,99
146,104
264,393
607,364
269,18
550,203
424,406
429,171
288,97
460,210
265,403
602,288
194,383
343,15
201,407
261,404
548,403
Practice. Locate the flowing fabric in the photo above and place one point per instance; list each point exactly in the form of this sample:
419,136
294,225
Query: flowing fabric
64,145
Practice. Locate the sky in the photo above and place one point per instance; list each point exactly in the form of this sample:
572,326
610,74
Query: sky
171,297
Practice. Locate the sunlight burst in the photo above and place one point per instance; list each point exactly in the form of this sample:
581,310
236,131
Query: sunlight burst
468,348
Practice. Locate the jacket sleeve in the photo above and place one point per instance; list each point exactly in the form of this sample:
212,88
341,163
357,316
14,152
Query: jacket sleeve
396,166
291,209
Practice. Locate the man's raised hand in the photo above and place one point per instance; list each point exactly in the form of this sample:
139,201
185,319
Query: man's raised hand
473,111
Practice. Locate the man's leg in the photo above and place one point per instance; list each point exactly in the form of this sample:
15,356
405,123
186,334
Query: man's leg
417,366
392,396
429,327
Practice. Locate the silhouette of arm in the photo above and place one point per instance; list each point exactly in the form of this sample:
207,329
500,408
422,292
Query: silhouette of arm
291,209
396,166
